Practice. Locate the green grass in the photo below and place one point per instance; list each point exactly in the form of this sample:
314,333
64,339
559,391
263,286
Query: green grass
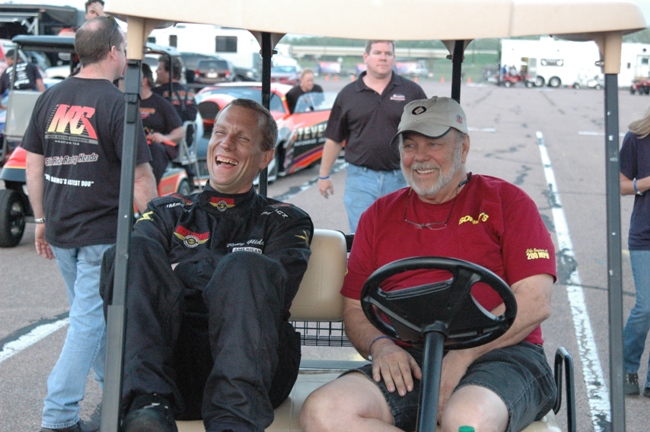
473,66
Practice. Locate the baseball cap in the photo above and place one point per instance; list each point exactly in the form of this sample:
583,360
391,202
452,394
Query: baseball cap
431,117
10,53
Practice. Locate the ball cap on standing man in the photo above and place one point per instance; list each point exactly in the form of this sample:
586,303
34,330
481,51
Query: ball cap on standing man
431,117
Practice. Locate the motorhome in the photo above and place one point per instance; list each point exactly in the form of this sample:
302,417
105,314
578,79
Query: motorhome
553,62
635,64
236,45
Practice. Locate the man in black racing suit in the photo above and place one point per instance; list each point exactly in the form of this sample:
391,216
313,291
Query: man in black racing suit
211,281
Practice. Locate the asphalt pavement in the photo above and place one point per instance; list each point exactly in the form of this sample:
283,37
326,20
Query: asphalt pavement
509,130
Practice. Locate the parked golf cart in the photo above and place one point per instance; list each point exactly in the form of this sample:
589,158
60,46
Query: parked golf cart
15,209
456,25
640,85
510,80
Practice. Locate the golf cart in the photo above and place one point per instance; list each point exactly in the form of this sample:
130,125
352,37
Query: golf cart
15,209
456,24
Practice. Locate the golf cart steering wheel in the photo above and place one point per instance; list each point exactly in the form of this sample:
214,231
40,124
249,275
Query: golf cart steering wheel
445,307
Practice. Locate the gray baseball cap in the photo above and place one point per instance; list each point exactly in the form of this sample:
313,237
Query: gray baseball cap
431,117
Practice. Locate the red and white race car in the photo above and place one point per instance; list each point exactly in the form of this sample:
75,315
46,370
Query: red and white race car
300,138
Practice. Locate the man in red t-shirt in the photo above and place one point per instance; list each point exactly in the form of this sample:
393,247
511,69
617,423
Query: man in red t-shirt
446,211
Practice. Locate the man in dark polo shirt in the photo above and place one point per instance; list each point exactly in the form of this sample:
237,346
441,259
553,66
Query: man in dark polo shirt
365,115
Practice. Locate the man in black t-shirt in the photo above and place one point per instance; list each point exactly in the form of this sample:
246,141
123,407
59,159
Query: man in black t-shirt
27,75
74,152
306,85
161,123
365,116
169,87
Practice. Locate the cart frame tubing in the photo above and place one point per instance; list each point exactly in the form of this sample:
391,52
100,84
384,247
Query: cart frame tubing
116,315
614,261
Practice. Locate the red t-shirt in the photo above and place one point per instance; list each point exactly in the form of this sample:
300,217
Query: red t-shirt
492,223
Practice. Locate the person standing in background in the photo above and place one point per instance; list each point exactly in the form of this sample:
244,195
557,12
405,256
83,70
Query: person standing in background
635,180
365,116
306,85
74,151
161,123
28,76
94,9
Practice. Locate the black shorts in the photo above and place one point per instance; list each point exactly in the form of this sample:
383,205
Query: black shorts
519,374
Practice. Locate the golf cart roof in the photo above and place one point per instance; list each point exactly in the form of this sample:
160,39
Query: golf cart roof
66,44
455,22
439,19
45,43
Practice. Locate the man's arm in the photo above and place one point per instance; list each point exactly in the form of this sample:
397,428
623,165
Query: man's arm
4,85
35,169
39,85
144,189
175,135
627,185
331,152
35,77
533,296
288,235
390,362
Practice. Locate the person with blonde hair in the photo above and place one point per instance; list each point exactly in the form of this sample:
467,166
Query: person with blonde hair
635,180
306,85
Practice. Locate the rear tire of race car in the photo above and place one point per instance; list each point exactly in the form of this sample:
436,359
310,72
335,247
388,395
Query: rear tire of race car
184,188
12,218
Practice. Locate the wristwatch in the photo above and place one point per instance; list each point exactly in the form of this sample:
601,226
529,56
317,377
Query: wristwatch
637,191
39,220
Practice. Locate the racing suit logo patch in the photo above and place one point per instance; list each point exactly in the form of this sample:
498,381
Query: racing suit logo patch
221,203
191,239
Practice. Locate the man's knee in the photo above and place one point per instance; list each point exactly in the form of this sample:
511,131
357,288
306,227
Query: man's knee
354,399
316,413
474,406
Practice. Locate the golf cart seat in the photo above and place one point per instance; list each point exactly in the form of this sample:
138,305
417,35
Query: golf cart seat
19,113
320,304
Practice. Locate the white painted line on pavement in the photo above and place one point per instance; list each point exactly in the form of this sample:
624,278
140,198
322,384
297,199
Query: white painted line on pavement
597,133
593,374
29,339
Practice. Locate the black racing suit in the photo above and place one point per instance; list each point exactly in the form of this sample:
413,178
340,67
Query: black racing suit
211,280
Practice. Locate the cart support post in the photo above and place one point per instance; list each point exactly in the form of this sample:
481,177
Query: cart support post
116,319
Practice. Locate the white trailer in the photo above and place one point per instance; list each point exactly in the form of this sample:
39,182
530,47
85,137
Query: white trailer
236,45
635,64
551,62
